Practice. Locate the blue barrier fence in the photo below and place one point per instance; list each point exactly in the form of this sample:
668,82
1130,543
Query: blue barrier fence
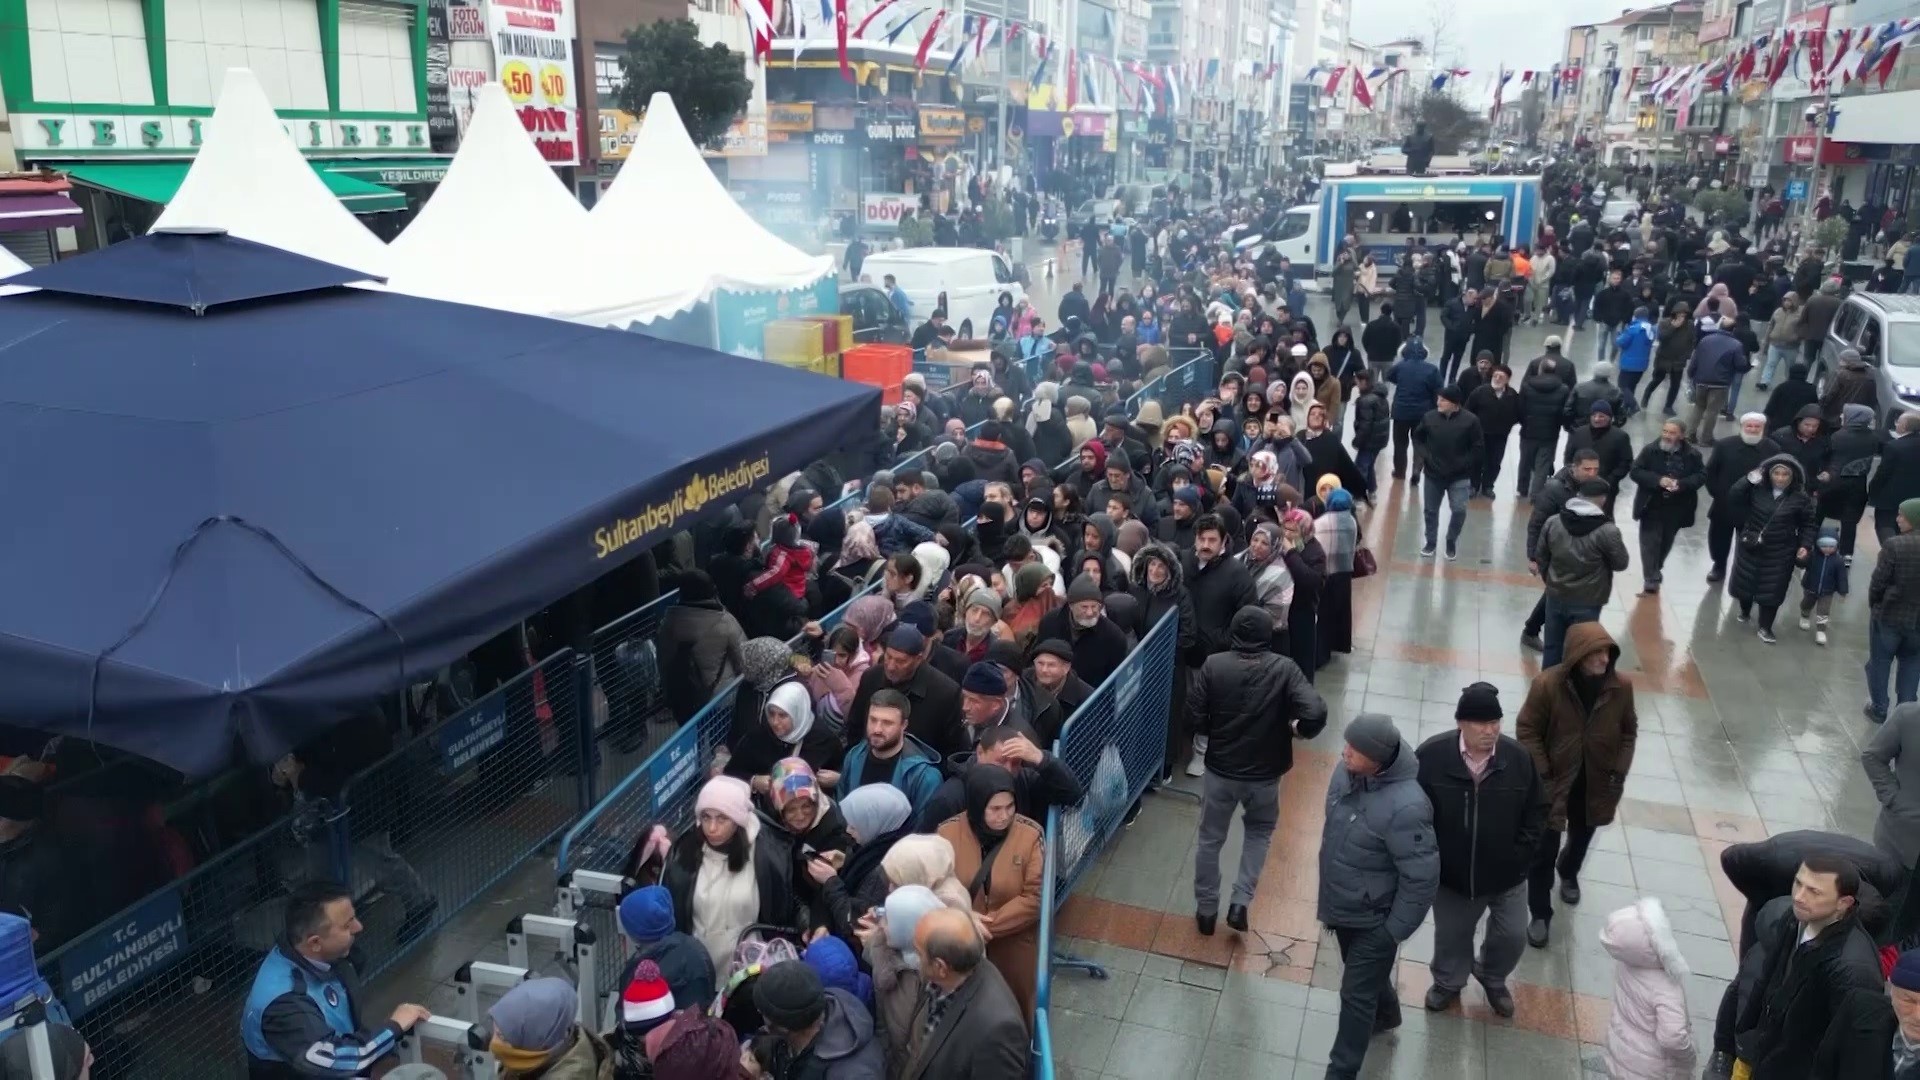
1115,744
1189,382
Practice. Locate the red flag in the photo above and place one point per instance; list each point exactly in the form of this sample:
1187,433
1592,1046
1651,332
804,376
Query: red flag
1885,67
1360,92
861,30
926,42
1839,52
1073,76
840,35
1744,70
1526,78
1333,82
1817,55
1632,75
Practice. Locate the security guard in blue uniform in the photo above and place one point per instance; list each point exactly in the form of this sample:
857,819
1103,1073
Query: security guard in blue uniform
299,1019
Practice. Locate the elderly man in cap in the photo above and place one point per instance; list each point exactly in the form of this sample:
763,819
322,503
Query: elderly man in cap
1052,667
983,699
1489,811
534,1033
1099,644
933,698
1903,989
817,1030
1379,871
1893,595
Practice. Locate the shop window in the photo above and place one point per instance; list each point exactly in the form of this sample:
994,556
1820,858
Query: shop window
89,51
279,42
608,77
376,58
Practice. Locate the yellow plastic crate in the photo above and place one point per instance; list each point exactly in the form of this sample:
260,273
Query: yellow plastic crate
795,341
825,365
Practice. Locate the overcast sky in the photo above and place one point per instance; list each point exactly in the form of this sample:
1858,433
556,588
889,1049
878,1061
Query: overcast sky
1483,35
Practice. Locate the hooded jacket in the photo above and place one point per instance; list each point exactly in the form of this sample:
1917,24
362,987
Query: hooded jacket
1772,531
1379,866
992,461
1649,1036
846,1047
1487,829
1172,596
1718,359
1567,738
1251,703
1372,419
916,771
1812,454
1613,445
1851,453
1417,385
1789,397
1580,551
1852,384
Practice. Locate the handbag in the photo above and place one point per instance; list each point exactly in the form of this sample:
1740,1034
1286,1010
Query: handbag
1364,564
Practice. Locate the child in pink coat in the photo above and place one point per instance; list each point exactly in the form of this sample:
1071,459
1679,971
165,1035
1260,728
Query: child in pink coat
1649,1036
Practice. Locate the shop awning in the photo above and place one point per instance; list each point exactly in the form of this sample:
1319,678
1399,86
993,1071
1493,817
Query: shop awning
390,171
156,181
1877,118
21,213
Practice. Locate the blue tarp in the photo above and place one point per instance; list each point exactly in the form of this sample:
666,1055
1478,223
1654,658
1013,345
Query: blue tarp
274,505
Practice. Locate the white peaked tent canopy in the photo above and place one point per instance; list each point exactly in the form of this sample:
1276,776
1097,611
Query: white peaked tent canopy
250,180
453,250
667,205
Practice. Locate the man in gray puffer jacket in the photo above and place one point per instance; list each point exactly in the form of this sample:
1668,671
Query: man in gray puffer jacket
1379,870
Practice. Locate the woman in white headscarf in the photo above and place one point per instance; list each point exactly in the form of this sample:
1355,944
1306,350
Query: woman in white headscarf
877,816
888,945
1300,398
787,729
933,560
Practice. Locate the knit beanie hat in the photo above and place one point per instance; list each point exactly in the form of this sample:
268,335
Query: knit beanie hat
790,995
647,1000
1599,406
1030,579
985,678
1910,509
906,639
1451,392
1060,650
727,795
647,914
534,1019
985,598
1481,701
1373,735
1085,588
1906,971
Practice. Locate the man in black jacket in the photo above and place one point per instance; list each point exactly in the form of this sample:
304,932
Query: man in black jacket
1457,318
1600,435
1250,703
1451,444
1898,477
1381,339
1543,400
1489,812
1612,307
1040,780
1099,645
1667,477
1218,585
1733,457
934,717
1497,406
1818,1010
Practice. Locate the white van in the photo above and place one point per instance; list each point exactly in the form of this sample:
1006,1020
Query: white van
972,278
1294,235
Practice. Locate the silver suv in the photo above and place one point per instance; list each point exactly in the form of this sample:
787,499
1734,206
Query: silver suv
1885,327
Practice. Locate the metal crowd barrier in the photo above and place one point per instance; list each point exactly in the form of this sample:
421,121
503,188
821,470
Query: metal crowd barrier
1115,744
660,791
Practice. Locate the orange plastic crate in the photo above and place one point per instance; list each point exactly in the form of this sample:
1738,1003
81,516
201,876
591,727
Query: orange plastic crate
885,366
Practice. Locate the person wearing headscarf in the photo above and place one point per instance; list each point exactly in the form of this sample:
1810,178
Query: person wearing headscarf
1080,426
1299,396
1337,532
535,1034
1307,565
877,816
1000,857
858,563
815,823
934,560
1053,441
731,870
925,859
1097,539
887,945
694,1046
787,729
765,663
1272,583
1326,457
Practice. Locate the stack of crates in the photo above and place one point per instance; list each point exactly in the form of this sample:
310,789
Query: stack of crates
884,366
812,343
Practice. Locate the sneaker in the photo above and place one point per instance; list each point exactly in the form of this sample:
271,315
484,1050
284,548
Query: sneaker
1806,623
1532,641
1766,635
1760,386
1819,637
1743,616
1453,552
1426,551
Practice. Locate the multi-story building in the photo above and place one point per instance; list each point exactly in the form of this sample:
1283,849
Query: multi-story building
1617,63
1319,44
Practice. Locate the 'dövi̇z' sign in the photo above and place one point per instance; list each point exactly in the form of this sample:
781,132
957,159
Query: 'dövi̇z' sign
533,53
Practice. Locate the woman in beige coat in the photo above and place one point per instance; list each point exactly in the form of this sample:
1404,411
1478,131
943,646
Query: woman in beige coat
1001,858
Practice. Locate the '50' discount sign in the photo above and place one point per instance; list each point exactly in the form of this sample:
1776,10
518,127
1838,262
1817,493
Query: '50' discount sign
517,78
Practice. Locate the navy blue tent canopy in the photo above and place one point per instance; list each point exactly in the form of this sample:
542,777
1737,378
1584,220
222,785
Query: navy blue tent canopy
268,507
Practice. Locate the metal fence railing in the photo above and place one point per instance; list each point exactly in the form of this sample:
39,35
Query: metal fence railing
628,687
1115,744
660,791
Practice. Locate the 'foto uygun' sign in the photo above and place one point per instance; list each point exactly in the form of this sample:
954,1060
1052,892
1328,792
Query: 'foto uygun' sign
533,46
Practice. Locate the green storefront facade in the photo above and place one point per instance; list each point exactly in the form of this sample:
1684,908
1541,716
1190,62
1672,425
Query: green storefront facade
118,94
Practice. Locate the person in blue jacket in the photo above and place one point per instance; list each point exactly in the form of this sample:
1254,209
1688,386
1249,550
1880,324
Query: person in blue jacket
300,1019
888,755
1417,382
1635,343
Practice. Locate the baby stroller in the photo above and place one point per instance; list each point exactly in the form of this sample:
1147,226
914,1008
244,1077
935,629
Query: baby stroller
760,948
